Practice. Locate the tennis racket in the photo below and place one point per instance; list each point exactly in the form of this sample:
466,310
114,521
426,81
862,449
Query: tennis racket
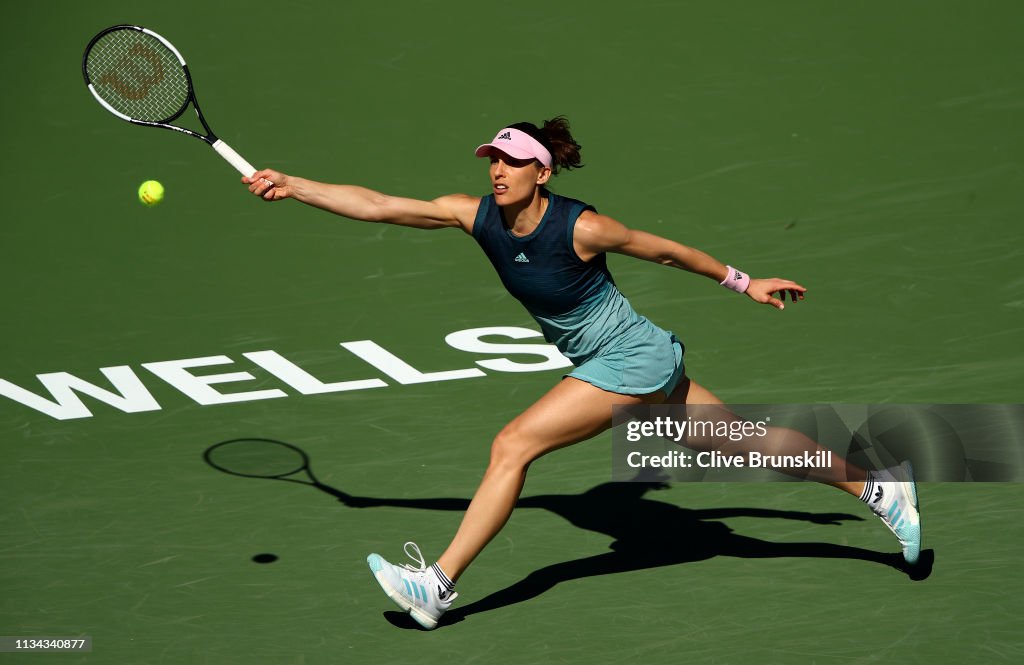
140,77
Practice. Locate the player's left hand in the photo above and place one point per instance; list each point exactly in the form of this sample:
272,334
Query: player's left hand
764,291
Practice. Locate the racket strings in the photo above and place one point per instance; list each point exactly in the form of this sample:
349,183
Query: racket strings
138,76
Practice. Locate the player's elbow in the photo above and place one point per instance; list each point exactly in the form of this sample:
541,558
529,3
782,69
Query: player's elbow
378,208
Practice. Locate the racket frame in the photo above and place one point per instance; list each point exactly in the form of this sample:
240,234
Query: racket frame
222,148
209,455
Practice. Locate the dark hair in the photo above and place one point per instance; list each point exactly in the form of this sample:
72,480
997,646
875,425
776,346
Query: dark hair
555,136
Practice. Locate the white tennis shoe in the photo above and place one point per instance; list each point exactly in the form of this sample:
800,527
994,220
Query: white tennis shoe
894,499
415,590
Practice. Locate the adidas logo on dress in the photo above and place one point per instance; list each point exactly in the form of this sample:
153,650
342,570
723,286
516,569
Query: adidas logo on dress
522,258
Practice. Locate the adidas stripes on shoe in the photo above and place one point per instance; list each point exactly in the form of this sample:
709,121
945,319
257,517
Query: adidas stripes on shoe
425,593
892,495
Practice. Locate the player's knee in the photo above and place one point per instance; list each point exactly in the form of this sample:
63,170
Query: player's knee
510,449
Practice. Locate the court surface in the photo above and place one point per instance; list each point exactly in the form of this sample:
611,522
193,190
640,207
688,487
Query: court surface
870,151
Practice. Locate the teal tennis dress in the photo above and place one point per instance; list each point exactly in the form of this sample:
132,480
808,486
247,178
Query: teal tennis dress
576,303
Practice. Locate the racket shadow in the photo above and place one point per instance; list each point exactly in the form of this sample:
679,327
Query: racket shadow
270,459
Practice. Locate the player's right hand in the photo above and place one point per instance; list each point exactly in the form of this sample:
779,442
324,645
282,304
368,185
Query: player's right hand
268,184
764,290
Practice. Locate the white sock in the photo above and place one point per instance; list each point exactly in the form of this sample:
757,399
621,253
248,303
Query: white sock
445,586
874,486
869,489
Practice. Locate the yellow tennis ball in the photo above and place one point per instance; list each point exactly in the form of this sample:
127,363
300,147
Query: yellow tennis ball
151,193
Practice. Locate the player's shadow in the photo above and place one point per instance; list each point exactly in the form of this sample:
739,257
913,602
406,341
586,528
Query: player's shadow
649,533
646,533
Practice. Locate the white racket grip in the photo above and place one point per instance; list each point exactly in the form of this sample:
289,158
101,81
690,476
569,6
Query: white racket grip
236,160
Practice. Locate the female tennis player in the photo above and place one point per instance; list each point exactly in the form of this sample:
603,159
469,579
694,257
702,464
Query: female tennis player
549,252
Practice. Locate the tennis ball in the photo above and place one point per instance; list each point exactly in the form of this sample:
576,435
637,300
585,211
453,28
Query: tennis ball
151,193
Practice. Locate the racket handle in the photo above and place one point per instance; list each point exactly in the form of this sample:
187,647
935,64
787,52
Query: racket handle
236,160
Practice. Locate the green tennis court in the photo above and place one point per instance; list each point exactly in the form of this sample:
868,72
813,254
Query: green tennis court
871,151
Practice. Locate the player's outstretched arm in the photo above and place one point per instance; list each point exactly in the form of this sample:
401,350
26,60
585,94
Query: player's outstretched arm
360,203
596,233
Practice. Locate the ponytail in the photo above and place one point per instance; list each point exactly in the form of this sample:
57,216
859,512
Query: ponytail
555,136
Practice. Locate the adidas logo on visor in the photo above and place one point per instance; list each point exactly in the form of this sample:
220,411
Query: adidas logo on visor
507,136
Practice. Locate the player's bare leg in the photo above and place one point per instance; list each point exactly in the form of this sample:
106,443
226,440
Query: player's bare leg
570,412
890,493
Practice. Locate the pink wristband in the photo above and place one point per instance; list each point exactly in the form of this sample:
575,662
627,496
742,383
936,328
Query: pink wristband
736,280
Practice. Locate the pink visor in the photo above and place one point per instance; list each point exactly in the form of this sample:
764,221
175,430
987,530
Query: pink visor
517,144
